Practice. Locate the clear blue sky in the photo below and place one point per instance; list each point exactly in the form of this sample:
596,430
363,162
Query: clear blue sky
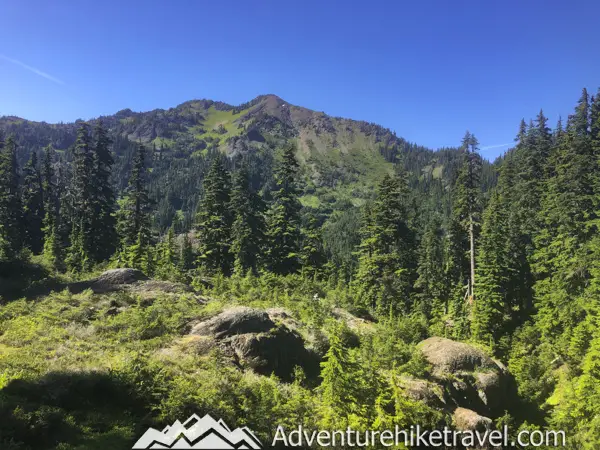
427,69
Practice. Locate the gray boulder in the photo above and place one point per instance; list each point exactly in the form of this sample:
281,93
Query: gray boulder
109,281
256,341
447,356
470,378
468,420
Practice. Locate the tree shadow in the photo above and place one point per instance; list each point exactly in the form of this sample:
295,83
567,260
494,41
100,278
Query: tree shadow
90,410
20,279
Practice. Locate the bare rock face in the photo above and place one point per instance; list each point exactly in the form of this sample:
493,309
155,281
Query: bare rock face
253,339
470,378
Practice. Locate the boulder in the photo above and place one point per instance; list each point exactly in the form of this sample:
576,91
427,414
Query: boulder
424,391
115,277
254,340
468,420
448,356
131,280
234,321
470,378
109,281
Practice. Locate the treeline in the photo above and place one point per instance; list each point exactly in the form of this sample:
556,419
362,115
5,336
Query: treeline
73,219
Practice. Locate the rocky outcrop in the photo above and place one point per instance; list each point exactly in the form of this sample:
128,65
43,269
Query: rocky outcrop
109,281
471,379
424,391
447,356
468,420
255,340
131,280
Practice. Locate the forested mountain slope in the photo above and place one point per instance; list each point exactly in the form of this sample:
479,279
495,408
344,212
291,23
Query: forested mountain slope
342,159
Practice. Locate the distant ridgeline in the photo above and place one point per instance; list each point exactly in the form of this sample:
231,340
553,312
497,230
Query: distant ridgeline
342,160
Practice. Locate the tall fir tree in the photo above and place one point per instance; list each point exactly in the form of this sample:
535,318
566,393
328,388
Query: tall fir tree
386,254
134,217
214,221
431,281
533,151
338,389
283,220
312,252
104,202
186,254
167,258
248,230
467,201
33,205
504,274
52,249
568,216
82,196
11,216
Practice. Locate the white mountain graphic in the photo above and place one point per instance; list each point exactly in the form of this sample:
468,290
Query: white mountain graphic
198,433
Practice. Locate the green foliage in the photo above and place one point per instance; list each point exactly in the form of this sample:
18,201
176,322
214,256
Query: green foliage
134,218
338,389
214,221
283,219
81,239
431,281
248,230
103,199
312,253
386,260
33,204
10,201
505,281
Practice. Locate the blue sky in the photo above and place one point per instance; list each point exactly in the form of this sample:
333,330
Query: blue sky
427,69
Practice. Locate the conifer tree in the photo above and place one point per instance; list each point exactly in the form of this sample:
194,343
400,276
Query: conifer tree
534,152
467,200
283,220
568,216
386,253
167,258
248,228
186,254
134,216
431,281
312,253
33,204
595,123
595,141
504,273
82,194
52,250
78,255
11,218
338,388
214,220
103,221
